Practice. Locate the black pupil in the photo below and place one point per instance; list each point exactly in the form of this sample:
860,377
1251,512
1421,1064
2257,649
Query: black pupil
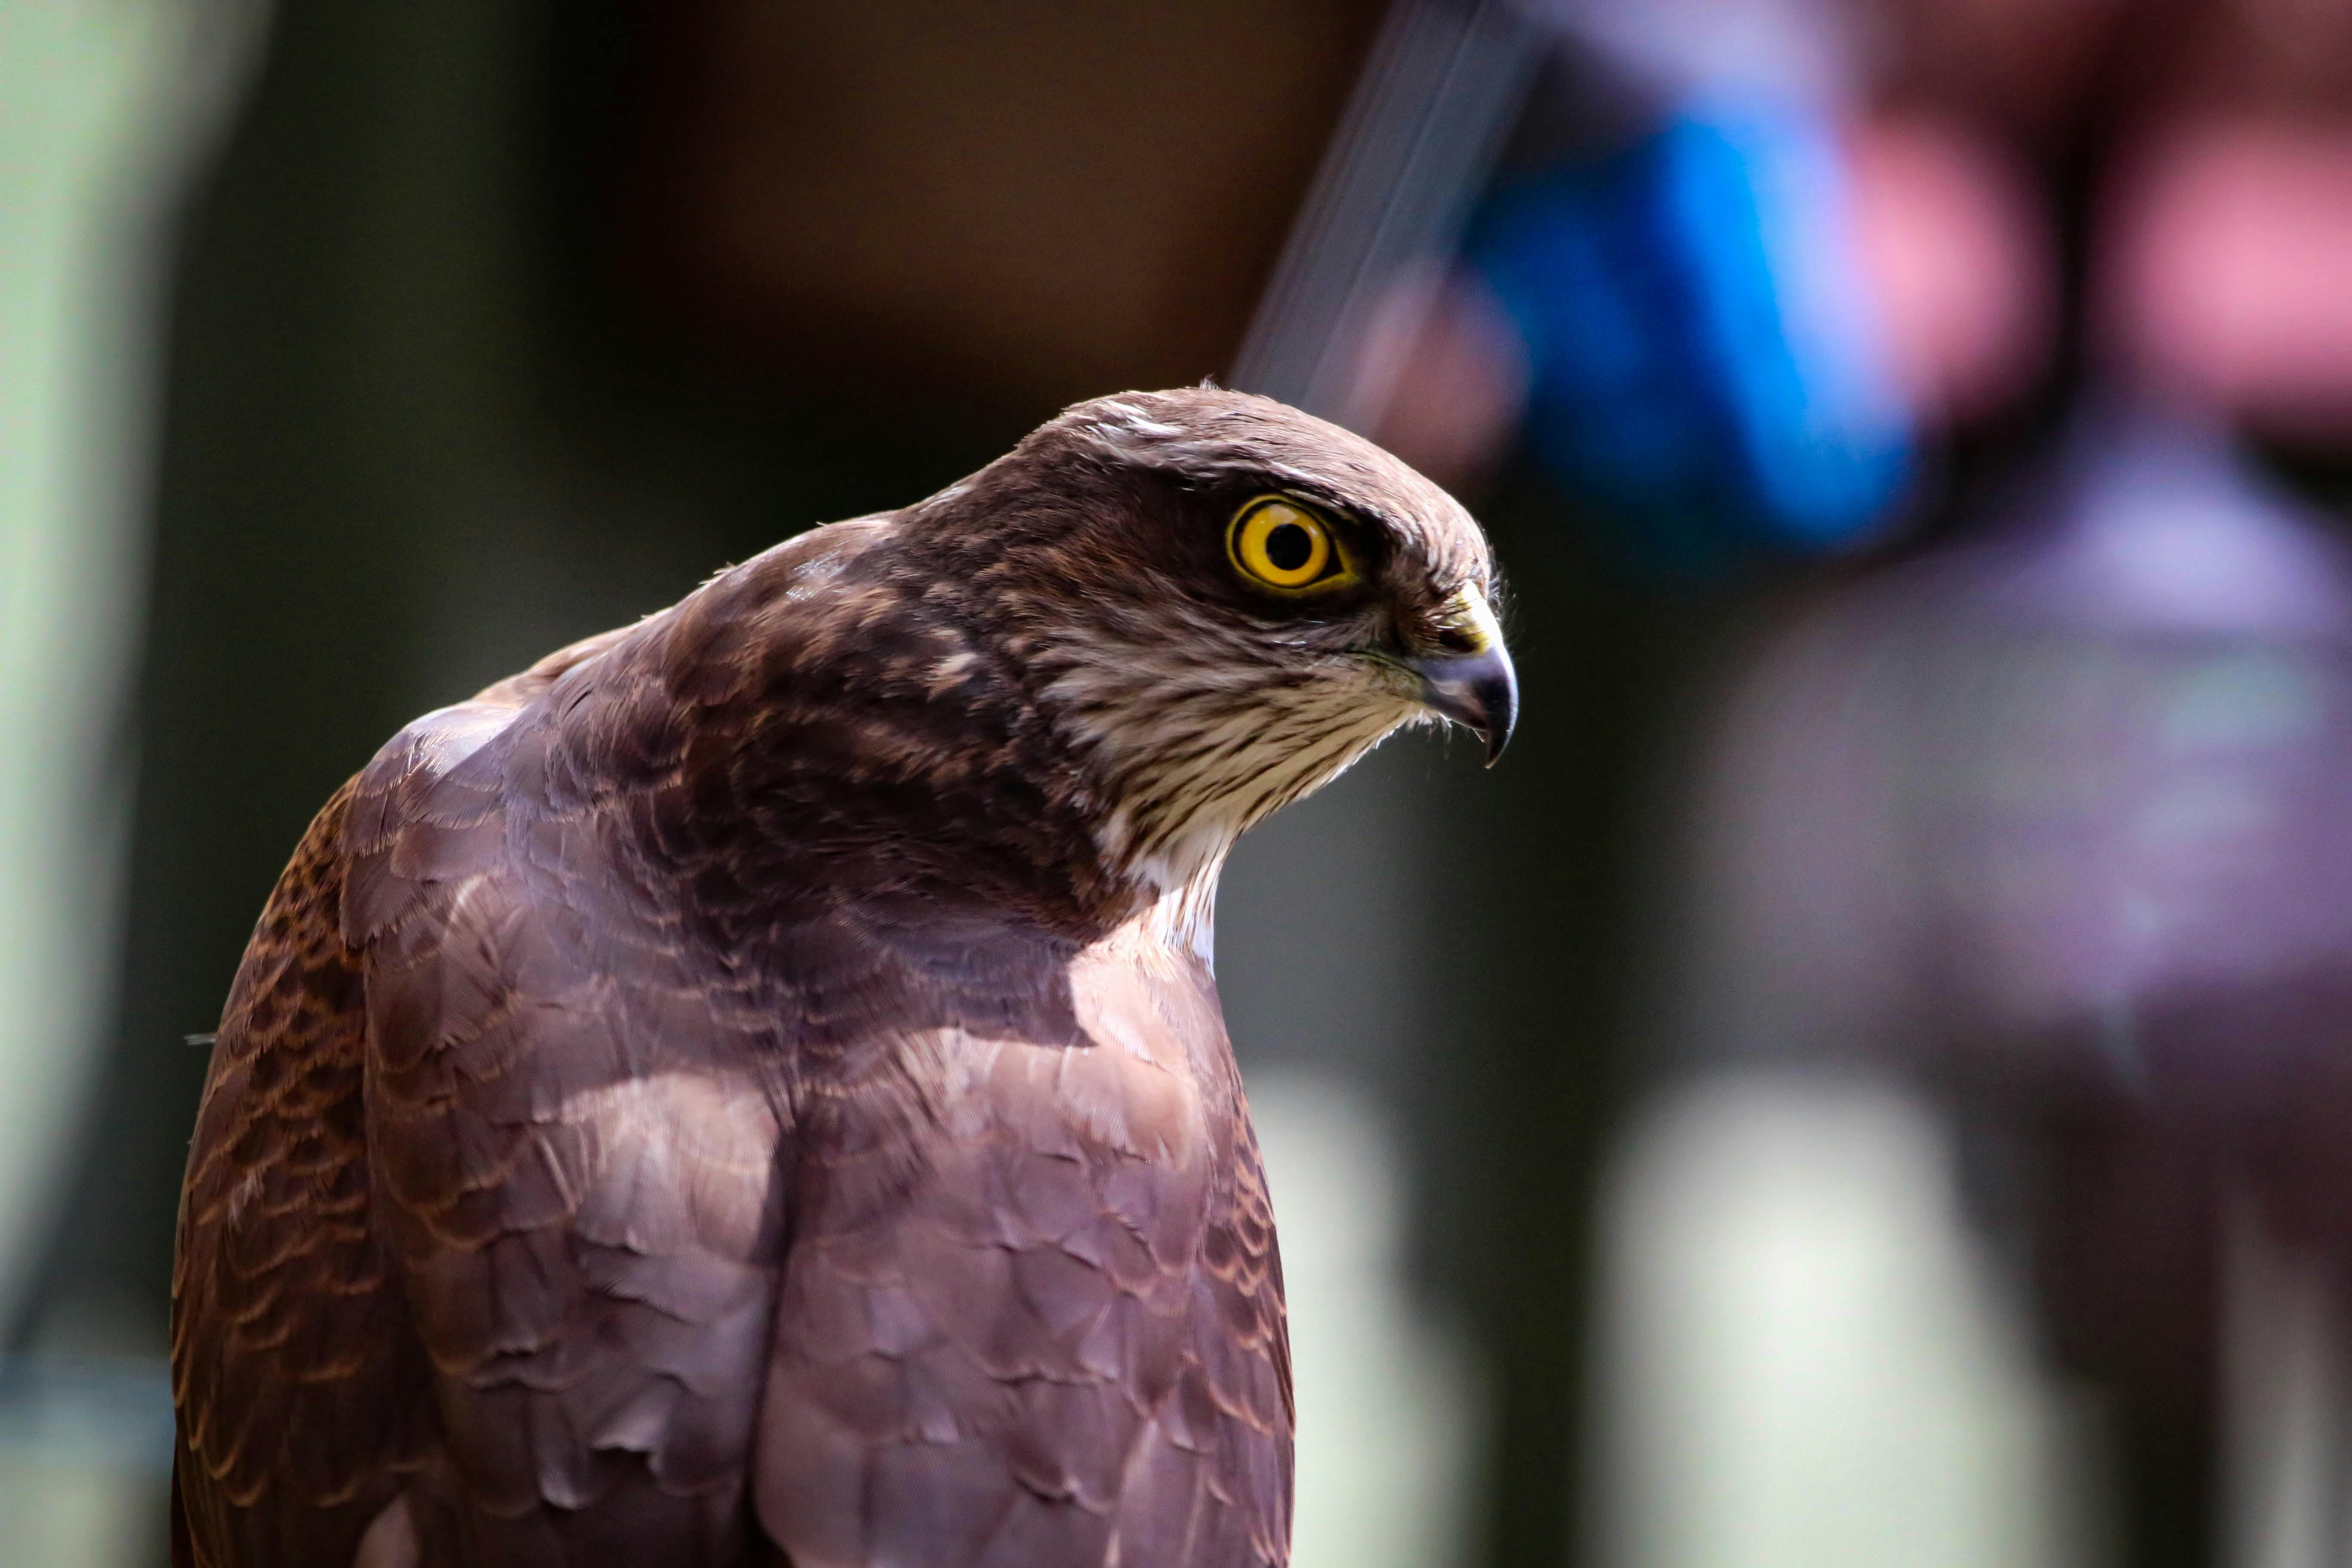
1289,547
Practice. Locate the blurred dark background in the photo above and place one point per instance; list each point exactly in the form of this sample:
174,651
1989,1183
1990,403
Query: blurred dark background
1867,1080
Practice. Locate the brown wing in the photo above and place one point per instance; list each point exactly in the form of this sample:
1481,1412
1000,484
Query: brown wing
1034,1314
469,1232
1241,1359
295,1370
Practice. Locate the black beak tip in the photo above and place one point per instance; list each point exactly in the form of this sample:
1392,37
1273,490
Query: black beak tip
1502,718
1478,691
1498,736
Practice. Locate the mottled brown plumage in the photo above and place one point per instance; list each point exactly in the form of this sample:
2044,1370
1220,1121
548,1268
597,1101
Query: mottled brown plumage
750,1088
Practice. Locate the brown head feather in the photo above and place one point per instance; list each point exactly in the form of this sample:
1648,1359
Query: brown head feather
1055,664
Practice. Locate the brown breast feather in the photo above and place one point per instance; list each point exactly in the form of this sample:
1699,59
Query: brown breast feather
1034,1314
546,1130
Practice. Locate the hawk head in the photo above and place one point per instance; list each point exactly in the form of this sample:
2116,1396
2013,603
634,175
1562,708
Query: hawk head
1218,603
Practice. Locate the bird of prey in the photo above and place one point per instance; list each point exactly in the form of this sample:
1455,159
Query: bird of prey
751,1089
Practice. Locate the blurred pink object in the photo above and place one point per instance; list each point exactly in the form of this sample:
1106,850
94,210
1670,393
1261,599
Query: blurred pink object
1441,377
1961,259
2228,271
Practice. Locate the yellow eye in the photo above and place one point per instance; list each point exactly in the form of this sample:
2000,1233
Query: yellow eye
1280,543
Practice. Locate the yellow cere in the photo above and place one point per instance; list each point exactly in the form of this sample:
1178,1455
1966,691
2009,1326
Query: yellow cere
1282,545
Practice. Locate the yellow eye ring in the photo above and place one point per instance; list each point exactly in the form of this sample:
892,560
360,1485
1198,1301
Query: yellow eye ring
1280,543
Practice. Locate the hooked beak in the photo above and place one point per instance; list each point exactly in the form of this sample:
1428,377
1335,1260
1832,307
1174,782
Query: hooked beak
1478,689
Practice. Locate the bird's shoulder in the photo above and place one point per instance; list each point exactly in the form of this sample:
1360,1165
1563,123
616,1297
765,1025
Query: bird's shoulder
624,739
806,780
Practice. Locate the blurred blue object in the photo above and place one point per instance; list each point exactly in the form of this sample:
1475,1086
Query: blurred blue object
1705,361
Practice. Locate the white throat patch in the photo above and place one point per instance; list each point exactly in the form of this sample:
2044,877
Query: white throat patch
1200,742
